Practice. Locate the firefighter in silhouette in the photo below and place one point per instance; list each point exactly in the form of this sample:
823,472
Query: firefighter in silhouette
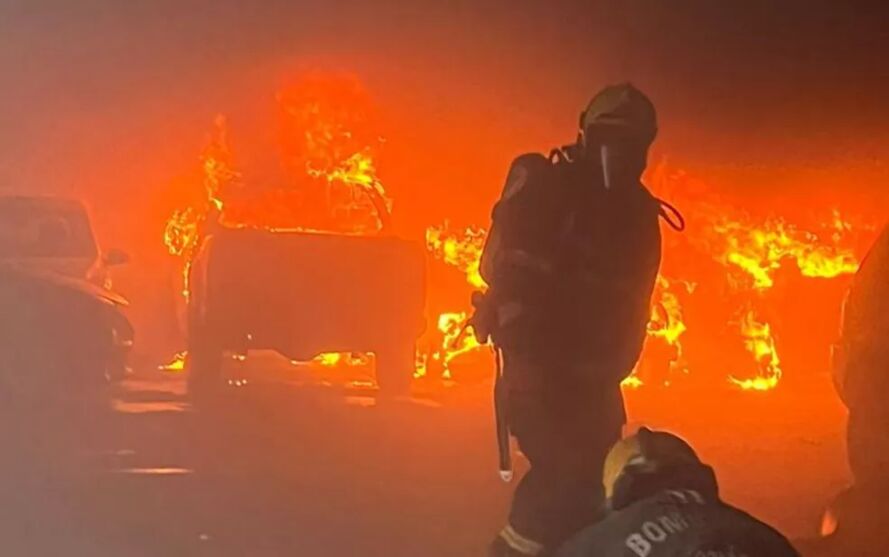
855,522
662,501
571,262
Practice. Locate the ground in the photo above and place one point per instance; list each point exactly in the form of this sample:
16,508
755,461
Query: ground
313,467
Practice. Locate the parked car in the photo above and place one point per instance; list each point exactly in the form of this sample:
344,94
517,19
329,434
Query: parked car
61,325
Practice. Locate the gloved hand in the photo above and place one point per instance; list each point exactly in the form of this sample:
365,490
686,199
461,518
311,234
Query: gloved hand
483,317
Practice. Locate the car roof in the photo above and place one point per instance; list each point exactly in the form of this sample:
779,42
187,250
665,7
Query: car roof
48,201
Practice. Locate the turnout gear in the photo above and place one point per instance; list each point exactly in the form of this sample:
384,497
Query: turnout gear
571,266
665,503
861,365
861,377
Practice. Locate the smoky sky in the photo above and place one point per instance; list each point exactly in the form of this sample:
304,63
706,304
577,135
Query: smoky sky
110,101
736,82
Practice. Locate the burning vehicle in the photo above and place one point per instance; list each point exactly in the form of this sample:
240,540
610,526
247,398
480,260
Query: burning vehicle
302,262
304,294
62,325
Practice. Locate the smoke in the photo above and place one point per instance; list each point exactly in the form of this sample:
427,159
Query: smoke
111,102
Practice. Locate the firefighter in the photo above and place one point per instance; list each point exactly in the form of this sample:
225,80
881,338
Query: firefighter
571,261
861,364
854,523
662,501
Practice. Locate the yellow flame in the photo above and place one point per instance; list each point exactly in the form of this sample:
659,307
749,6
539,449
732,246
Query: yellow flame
455,338
329,359
460,248
177,364
667,321
760,250
759,342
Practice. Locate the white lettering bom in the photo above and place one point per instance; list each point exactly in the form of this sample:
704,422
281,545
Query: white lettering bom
654,532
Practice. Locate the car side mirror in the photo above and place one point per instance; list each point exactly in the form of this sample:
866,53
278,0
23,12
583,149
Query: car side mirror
116,257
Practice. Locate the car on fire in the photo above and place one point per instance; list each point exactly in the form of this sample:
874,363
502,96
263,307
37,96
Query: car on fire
305,293
61,326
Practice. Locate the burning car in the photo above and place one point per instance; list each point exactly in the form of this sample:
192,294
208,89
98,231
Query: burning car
61,324
306,293
298,256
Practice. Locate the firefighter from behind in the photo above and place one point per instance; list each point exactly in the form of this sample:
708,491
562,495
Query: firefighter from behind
662,501
571,261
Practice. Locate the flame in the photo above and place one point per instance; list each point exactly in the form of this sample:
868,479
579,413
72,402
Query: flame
461,249
759,342
175,365
341,359
667,322
455,340
328,154
760,250
329,359
755,250
329,183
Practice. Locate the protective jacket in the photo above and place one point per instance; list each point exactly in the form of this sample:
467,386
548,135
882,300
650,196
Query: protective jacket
571,264
682,522
861,371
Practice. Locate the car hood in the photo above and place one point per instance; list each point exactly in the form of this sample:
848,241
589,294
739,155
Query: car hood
62,273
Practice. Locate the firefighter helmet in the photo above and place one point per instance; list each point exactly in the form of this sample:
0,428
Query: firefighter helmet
646,452
623,108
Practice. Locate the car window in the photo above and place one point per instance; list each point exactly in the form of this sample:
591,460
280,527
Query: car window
44,228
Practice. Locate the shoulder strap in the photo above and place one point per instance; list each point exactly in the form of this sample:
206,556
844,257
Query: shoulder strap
671,215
